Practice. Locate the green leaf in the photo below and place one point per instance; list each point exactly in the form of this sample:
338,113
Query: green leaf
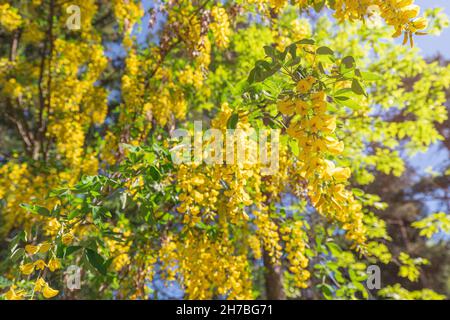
326,290
370,76
307,41
349,62
21,236
270,52
318,5
293,62
155,173
232,122
17,254
334,248
292,49
72,249
357,87
362,289
36,209
321,68
96,261
347,102
325,51
343,92
74,214
294,147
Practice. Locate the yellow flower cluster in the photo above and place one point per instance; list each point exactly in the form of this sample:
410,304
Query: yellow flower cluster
191,29
119,249
198,193
209,267
313,129
14,294
277,5
39,266
128,13
9,18
169,102
191,76
267,231
224,194
295,239
88,10
18,184
220,26
73,99
132,86
12,88
403,15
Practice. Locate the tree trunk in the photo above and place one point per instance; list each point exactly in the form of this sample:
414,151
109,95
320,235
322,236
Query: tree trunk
274,280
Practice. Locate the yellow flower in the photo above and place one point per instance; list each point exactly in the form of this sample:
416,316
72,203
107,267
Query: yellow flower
341,174
301,107
27,269
286,107
220,27
9,18
320,107
49,292
334,146
31,249
12,294
410,11
53,226
318,97
311,80
305,85
54,264
67,239
328,124
40,265
419,24
404,3
39,285
44,247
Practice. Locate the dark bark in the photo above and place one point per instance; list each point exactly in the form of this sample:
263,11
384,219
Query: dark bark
274,279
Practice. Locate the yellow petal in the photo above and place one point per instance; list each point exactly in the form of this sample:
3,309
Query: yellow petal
31,249
420,24
286,107
54,264
44,247
67,238
410,12
341,174
40,265
49,292
39,285
27,269
12,294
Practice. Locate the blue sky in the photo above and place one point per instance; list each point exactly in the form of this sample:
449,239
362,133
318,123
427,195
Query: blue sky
431,45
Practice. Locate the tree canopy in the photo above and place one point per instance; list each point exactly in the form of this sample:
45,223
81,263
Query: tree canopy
95,174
